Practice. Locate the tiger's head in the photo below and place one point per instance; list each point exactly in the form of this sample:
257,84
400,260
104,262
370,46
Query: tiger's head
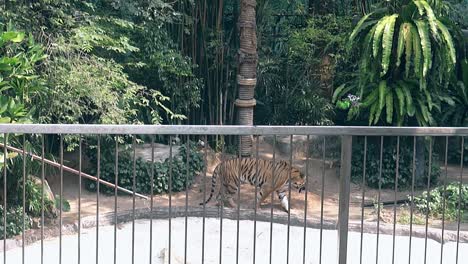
298,179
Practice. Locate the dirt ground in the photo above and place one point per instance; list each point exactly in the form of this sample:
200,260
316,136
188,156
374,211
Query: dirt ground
195,194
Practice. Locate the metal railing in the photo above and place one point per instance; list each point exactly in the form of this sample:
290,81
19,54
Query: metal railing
155,210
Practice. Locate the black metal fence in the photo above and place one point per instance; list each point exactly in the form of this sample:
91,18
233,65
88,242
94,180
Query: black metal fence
351,228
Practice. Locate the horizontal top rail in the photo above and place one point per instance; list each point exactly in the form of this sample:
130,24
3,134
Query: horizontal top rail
231,130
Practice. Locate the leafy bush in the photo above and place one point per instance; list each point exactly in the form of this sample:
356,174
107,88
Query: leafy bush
389,164
143,171
14,221
436,201
34,201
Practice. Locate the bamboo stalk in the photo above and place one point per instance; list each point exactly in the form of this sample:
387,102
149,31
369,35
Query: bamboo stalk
73,171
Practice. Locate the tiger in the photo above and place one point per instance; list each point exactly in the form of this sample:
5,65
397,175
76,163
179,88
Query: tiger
228,171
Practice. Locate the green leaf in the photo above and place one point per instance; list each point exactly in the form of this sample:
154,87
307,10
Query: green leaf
401,43
389,105
408,46
382,94
372,112
377,38
447,37
361,26
371,98
416,41
410,108
387,43
431,18
401,99
338,92
423,31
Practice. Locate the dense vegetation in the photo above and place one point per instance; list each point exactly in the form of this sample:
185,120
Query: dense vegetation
365,62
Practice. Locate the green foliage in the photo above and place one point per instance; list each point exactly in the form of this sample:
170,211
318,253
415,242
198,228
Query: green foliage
143,171
296,73
452,198
65,204
405,169
408,54
34,201
14,221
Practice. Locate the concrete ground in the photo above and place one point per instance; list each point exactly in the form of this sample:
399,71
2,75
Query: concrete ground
212,236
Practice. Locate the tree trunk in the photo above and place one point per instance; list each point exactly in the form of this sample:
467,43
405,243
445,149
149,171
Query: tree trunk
247,76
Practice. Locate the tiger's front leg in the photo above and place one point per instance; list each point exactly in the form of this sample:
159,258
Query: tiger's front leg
284,199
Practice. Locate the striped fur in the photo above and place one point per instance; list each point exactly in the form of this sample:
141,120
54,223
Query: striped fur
228,173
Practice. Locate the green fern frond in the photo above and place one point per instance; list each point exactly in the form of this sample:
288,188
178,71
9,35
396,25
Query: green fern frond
416,41
423,31
387,43
389,107
431,18
408,28
361,25
401,43
447,37
377,38
401,99
410,108
420,7
371,98
382,93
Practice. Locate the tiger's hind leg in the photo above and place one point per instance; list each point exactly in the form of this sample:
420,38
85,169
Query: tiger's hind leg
229,191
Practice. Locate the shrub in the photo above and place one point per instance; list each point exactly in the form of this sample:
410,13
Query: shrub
143,171
389,164
34,201
14,225
436,201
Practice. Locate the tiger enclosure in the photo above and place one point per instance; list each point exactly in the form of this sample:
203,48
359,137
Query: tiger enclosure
233,131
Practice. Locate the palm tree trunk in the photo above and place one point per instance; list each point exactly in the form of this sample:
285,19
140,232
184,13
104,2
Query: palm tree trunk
247,75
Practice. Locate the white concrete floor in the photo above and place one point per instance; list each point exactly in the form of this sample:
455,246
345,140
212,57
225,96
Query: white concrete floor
160,242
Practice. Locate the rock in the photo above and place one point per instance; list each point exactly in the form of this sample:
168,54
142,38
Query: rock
50,211
161,152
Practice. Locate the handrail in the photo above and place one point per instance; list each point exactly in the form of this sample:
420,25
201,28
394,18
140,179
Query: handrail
230,130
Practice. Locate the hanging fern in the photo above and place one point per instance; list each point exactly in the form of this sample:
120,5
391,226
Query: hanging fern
401,50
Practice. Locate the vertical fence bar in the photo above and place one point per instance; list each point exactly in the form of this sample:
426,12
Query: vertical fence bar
42,196
5,198
343,214
97,195
256,200
322,198
61,197
239,179
116,181
363,198
378,200
186,196
428,197
289,197
24,199
395,196
221,208
151,202
305,199
460,196
133,196
204,199
79,196
170,200
412,200
444,202
271,205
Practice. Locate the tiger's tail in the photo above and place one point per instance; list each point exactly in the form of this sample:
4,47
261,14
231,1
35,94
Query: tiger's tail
213,185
